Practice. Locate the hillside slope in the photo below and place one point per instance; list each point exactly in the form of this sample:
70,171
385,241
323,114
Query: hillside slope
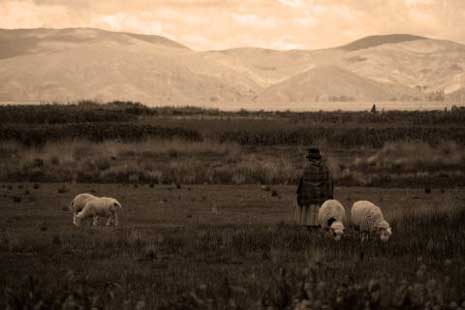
431,65
72,64
414,62
84,63
332,84
373,41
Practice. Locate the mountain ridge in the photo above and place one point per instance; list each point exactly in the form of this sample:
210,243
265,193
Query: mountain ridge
86,63
376,40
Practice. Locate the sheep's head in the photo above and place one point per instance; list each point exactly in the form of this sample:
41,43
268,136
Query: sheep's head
384,231
116,204
337,230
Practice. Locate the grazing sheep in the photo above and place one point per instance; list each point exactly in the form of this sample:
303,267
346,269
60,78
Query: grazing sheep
78,203
331,217
368,218
100,207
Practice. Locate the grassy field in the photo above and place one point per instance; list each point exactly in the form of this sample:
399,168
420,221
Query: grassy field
226,247
199,231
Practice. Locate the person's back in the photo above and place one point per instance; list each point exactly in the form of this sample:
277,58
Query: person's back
315,187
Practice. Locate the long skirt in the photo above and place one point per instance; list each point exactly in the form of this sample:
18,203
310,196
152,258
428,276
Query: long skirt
307,215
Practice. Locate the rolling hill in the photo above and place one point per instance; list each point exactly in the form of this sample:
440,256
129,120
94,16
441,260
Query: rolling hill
333,84
72,64
264,66
373,41
431,65
83,63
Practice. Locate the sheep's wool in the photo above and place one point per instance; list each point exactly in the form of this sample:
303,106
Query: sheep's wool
332,216
105,207
369,218
331,210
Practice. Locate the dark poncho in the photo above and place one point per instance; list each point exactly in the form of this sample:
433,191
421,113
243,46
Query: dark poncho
316,185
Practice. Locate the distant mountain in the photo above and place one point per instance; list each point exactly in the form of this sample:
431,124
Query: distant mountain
333,84
373,41
72,64
84,63
18,42
264,66
430,65
422,66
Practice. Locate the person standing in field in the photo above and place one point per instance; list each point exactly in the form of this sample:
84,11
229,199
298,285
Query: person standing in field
315,187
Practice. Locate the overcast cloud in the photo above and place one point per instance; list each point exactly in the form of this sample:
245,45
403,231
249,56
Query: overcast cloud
220,24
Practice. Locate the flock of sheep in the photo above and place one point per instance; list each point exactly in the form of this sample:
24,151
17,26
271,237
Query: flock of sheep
365,216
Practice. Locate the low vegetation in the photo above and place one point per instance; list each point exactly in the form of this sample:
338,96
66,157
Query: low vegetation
129,142
127,121
161,161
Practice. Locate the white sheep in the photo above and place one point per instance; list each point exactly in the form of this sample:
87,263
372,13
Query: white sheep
78,203
331,217
100,207
368,218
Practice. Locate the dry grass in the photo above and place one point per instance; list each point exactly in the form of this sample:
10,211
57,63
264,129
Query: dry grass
151,161
168,161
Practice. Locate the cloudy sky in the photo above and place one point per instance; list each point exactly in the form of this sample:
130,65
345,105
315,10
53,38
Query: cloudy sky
220,24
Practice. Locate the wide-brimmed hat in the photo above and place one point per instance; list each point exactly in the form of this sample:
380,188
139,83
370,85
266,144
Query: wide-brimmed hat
313,152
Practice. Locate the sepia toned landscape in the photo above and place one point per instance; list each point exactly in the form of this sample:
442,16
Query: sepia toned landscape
268,154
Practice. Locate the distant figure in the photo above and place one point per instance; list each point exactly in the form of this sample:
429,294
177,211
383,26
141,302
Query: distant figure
315,187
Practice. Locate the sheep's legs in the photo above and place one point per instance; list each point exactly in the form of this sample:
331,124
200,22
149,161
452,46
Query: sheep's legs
113,220
364,236
95,221
77,220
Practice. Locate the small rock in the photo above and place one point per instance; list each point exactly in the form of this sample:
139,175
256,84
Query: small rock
62,190
43,226
265,188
